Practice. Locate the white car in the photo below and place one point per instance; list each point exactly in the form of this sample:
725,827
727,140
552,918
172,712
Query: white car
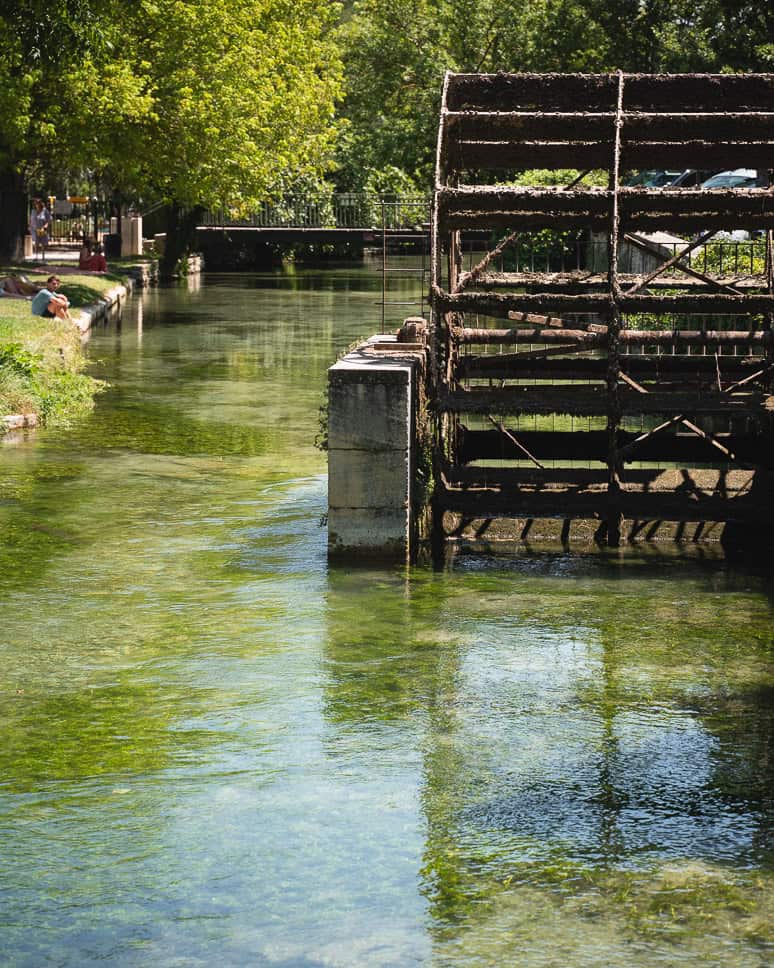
738,178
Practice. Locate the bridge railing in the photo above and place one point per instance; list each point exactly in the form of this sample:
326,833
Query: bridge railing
346,210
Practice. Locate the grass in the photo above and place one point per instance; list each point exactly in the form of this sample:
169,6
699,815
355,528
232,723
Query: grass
41,360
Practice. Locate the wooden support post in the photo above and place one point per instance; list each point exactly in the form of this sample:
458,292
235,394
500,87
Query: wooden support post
614,464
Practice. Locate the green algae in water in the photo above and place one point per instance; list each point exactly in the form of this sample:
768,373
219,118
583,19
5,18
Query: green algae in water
217,749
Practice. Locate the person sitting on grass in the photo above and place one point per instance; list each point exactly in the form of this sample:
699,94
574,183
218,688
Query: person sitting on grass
92,260
85,254
18,286
49,303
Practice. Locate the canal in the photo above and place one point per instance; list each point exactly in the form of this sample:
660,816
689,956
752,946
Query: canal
217,749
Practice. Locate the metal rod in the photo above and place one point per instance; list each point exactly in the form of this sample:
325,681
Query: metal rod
503,430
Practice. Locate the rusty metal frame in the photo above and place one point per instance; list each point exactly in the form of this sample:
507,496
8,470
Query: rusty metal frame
614,122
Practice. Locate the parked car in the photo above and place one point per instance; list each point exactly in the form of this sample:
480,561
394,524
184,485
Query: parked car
738,178
650,179
687,178
690,178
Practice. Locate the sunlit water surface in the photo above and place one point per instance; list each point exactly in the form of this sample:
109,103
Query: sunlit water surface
218,750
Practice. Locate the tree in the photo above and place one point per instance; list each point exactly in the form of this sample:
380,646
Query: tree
195,103
396,53
48,53
241,96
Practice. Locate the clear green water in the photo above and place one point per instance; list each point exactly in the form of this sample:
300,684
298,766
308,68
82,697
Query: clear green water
218,750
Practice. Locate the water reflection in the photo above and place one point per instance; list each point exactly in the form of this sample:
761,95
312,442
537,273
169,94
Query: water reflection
579,750
216,749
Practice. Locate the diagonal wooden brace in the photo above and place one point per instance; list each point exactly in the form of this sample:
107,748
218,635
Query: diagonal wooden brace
670,262
639,244
680,418
504,430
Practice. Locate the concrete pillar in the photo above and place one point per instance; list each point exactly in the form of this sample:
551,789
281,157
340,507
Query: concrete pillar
131,235
372,405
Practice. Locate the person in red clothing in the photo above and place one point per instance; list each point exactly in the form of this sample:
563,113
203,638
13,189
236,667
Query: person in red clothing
92,261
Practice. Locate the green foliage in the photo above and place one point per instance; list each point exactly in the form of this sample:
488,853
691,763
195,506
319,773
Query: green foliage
42,362
240,99
396,53
321,437
57,392
218,103
547,177
20,361
227,103
729,258
65,396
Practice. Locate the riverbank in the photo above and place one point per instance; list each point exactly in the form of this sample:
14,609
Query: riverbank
42,360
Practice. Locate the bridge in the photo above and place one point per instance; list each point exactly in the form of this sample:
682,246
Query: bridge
330,217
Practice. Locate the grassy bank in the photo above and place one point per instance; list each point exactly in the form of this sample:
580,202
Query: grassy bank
41,360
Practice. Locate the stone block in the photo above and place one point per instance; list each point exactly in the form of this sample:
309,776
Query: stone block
367,479
368,533
131,235
371,413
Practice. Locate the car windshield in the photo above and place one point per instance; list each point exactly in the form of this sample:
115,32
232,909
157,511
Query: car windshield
652,179
731,179
663,178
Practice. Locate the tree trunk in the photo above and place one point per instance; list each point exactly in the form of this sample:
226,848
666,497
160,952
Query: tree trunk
13,215
180,230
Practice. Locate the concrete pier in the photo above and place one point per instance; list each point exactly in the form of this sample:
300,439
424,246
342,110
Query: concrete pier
373,402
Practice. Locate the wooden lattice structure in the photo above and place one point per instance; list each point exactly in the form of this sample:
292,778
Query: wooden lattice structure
640,396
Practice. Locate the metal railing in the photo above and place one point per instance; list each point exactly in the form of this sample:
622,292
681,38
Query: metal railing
533,252
71,222
346,210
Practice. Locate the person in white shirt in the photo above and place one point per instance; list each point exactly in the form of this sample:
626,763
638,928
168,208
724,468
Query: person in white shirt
40,220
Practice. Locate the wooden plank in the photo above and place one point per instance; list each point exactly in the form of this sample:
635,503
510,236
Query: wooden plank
666,367
735,481
666,220
588,125
631,337
583,203
504,155
580,281
510,92
589,400
640,506
577,337
498,304
711,93
590,445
